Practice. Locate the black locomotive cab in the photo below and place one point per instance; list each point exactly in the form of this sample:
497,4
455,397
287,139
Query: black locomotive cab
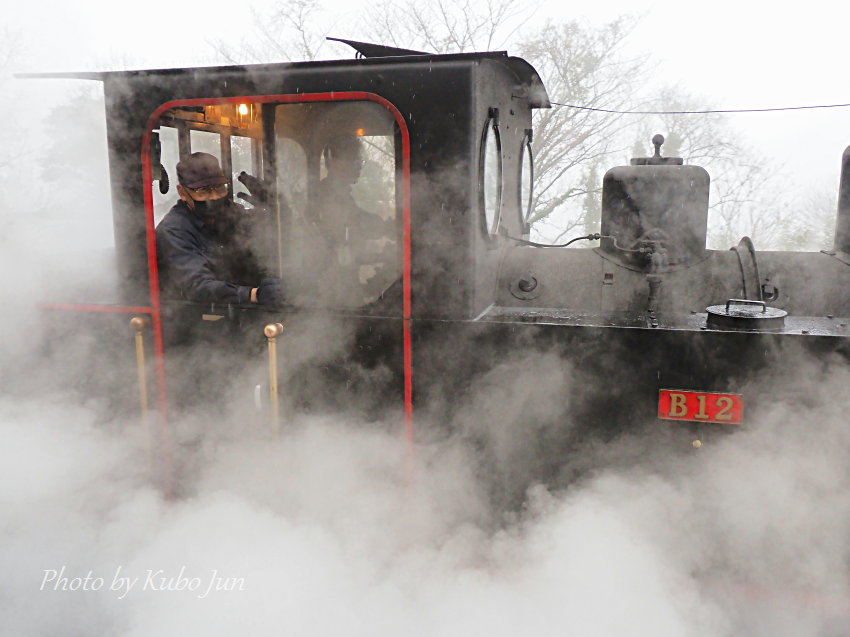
380,191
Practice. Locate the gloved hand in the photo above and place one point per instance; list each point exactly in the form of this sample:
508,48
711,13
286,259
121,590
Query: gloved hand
258,189
270,292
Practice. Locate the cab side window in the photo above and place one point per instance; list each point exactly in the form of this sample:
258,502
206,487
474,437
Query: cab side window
337,171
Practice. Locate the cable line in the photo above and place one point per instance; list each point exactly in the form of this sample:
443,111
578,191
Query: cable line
706,112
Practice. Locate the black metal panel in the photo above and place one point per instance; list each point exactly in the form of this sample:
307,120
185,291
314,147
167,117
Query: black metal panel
546,394
436,102
668,204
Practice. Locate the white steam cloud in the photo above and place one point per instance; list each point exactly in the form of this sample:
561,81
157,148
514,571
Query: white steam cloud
322,533
325,532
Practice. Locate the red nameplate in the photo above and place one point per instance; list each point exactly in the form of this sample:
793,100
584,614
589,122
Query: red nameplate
700,406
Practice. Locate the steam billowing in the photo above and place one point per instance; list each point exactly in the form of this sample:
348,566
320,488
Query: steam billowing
323,531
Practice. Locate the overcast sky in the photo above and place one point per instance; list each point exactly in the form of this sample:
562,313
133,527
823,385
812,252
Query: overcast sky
734,54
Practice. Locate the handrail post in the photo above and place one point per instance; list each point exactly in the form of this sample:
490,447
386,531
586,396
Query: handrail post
272,331
138,323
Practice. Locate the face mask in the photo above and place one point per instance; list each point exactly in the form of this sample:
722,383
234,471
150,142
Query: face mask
212,210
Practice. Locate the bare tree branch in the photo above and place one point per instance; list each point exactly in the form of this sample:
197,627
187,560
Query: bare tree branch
443,27
291,31
580,64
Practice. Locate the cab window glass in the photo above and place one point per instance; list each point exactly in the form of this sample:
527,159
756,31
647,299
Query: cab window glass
234,138
206,142
526,179
327,220
241,157
490,177
336,174
164,171
291,176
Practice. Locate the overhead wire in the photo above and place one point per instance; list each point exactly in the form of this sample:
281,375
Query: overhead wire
705,112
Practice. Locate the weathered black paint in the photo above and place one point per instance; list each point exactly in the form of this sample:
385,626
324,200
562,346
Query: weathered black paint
591,315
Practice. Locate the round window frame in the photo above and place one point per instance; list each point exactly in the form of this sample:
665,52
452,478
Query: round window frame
492,124
525,152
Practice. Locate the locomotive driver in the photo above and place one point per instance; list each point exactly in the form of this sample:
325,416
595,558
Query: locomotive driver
201,246
351,235
339,215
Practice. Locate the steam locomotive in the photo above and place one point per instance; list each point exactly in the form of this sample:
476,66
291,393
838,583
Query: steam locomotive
450,319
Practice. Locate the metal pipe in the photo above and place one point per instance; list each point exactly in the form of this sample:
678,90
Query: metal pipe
138,323
842,221
272,331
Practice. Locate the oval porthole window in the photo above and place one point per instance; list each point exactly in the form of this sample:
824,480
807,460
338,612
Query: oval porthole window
526,179
491,177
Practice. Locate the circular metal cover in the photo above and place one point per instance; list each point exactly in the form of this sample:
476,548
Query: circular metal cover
526,288
743,314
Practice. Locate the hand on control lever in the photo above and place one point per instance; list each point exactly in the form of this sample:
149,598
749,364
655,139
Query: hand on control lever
270,292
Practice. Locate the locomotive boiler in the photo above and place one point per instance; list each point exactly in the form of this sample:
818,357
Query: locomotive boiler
449,319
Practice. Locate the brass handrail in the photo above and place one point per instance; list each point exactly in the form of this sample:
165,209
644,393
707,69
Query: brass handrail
138,323
272,331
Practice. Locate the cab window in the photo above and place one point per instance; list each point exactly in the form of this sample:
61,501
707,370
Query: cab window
331,226
337,177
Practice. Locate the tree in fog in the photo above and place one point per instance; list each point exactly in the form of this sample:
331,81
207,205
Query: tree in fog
579,64
7,52
584,66
747,193
575,142
292,31
814,221
446,27
18,186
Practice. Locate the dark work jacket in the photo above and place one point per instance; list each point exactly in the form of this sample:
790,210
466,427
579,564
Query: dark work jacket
342,221
202,263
